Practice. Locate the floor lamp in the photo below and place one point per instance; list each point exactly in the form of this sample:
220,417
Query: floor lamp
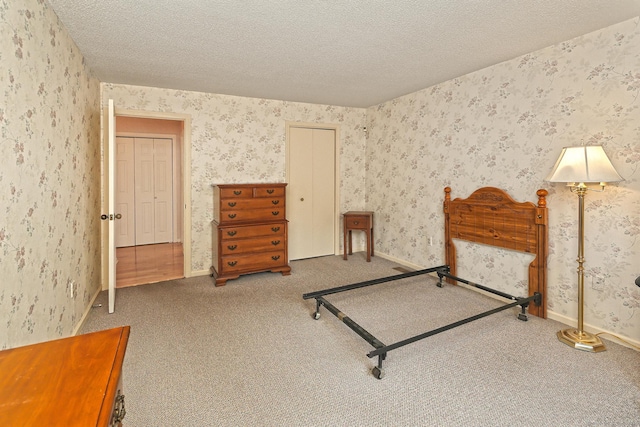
579,166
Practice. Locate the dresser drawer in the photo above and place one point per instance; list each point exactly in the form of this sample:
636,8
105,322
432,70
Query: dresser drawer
252,262
257,244
358,222
253,203
234,233
270,214
238,192
269,191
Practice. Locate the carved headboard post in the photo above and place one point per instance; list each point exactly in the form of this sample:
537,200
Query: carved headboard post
449,247
538,267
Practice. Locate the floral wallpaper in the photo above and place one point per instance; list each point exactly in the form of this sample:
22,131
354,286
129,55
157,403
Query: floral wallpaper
236,139
49,177
505,126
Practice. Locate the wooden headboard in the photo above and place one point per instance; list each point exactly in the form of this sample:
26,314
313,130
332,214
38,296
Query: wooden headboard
491,217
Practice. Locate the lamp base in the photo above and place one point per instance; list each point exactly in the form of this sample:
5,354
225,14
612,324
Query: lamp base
581,340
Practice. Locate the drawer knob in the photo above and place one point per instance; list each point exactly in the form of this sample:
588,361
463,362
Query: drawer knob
232,233
237,192
275,257
232,216
356,222
232,247
270,191
275,202
232,263
275,242
275,229
275,213
232,204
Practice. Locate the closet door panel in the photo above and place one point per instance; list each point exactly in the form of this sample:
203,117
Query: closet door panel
145,218
163,190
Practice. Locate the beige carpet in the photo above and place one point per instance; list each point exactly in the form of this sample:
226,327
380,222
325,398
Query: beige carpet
250,354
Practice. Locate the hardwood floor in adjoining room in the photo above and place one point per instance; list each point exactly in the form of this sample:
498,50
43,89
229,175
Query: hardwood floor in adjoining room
139,265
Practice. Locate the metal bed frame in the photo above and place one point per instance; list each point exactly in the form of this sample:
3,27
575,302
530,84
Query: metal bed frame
488,216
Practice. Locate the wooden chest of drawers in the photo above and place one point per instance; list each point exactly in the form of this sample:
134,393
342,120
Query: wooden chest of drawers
249,230
74,381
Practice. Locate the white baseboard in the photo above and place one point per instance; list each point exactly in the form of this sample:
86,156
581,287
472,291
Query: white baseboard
200,273
86,312
400,261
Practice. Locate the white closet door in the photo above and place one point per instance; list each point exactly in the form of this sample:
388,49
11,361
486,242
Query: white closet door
125,195
163,190
323,181
145,218
310,205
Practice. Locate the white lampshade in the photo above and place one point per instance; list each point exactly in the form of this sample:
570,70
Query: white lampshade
584,164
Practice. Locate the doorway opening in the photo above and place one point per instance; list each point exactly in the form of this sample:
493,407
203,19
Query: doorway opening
149,196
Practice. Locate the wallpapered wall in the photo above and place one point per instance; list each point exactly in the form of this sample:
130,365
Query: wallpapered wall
49,177
236,139
504,127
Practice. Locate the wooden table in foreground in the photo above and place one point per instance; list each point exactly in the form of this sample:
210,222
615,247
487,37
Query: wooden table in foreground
74,381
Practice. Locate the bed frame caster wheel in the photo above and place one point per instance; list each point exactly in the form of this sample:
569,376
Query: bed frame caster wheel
316,315
523,314
378,373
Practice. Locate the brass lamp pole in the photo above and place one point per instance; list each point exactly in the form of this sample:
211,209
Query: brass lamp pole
579,338
578,166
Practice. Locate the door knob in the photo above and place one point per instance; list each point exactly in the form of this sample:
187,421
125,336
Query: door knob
302,199
118,216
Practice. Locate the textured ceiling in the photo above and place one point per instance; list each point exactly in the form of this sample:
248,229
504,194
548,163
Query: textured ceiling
337,52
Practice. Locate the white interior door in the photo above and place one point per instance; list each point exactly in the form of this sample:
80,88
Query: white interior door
311,188
299,187
125,195
323,190
111,153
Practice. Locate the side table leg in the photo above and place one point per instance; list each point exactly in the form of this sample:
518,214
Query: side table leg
344,243
372,240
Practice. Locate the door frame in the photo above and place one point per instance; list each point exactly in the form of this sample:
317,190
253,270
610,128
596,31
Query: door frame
336,190
186,181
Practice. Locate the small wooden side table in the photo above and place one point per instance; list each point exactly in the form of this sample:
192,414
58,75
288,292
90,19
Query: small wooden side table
358,220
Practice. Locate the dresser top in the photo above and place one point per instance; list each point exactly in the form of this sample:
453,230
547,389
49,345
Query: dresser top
70,381
369,213
260,184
